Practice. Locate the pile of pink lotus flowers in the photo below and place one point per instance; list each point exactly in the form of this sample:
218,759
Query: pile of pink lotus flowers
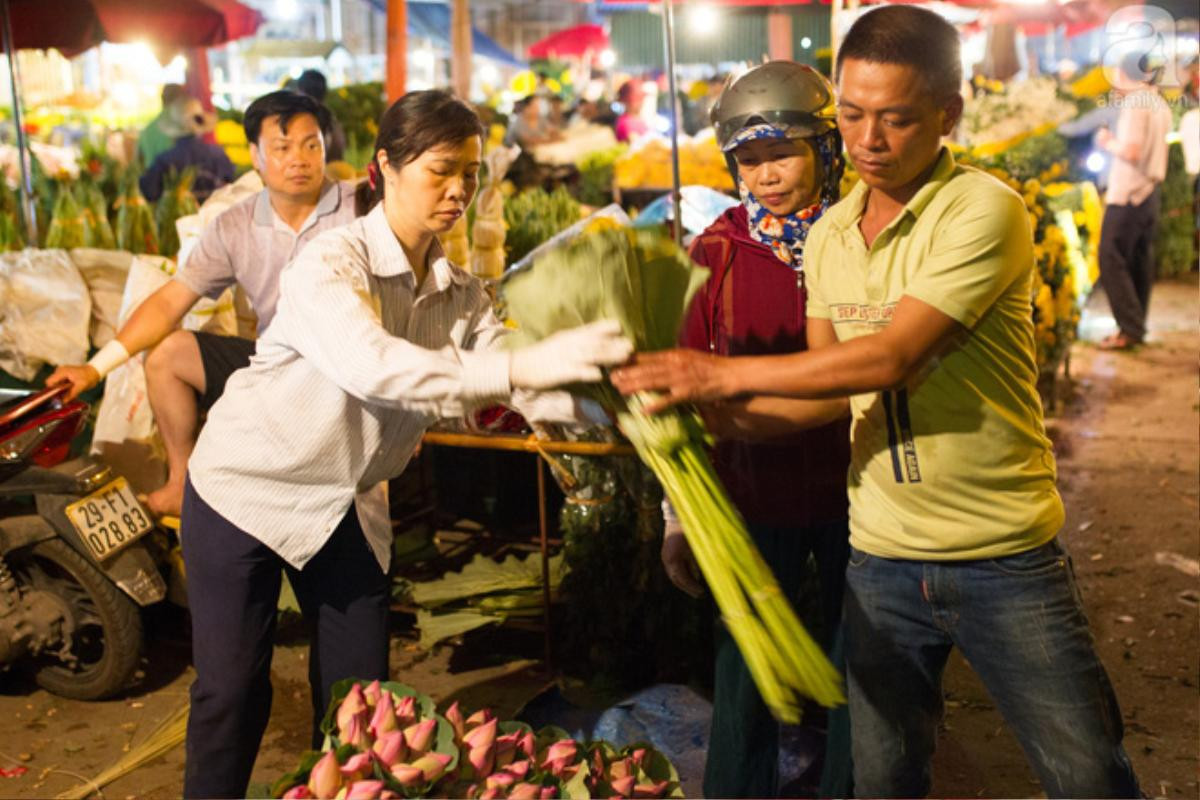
387,741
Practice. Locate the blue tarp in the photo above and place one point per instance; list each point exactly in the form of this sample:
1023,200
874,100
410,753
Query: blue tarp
432,21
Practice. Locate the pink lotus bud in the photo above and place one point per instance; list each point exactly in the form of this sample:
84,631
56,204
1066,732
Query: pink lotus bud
406,710
455,718
624,786
500,780
506,748
433,765
481,736
326,777
373,693
419,735
528,745
408,775
519,769
300,792
384,718
556,767
364,790
651,789
525,791
482,759
352,705
598,766
549,792
638,756
562,750
390,748
357,767
480,717
356,733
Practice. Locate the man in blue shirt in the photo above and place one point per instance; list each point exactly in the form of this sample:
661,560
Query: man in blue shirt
186,122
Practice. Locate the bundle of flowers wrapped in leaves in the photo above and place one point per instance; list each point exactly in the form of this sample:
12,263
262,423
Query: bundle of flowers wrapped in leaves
645,281
387,741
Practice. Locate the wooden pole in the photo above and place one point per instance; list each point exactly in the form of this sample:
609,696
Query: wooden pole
397,49
779,35
460,48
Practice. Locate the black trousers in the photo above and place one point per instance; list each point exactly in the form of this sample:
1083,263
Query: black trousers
1127,262
233,585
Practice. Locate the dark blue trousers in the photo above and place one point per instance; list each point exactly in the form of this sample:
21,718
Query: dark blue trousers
233,585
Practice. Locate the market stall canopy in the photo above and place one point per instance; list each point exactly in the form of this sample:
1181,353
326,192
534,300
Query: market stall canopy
1034,20
642,5
432,21
573,42
72,26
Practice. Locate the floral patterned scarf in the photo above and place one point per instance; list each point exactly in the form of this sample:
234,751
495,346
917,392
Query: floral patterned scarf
785,235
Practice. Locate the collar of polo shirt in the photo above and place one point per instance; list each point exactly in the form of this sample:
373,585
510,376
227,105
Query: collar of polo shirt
327,203
846,214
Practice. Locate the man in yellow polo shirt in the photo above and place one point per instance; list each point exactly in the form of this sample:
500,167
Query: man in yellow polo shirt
920,326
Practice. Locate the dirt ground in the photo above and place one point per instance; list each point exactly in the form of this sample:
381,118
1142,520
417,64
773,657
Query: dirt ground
1126,436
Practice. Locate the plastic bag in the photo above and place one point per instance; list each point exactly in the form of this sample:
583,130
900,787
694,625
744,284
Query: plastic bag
45,309
124,413
105,272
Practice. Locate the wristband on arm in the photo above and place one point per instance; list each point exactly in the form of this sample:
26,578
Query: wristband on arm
109,357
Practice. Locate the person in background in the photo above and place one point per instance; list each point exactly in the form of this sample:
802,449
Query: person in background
377,335
247,244
630,124
920,325
188,122
776,125
312,83
1131,204
152,140
1189,137
530,124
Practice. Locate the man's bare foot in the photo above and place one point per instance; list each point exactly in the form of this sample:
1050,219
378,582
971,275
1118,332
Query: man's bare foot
165,501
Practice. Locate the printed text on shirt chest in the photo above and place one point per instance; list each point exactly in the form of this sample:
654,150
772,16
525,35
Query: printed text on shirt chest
869,313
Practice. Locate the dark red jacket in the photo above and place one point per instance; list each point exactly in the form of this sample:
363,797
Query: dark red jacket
753,304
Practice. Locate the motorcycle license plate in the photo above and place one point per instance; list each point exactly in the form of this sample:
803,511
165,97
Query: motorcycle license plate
109,519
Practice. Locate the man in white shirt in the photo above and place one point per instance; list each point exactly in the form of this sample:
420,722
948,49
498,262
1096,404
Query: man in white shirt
1139,151
248,244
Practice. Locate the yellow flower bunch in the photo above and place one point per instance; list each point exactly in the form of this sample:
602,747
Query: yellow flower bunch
649,167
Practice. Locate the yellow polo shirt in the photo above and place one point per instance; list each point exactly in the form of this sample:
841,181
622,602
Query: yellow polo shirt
956,464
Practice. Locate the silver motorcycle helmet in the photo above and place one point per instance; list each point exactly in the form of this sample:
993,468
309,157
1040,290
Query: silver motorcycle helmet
794,98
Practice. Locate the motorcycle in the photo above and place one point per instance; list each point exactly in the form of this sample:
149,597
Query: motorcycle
75,559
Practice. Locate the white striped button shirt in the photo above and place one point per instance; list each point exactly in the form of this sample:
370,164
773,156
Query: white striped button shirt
355,366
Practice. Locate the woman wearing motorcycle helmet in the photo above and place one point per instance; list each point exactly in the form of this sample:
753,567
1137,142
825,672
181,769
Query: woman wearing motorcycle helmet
776,125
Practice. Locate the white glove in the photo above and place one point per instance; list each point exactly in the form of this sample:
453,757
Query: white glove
571,356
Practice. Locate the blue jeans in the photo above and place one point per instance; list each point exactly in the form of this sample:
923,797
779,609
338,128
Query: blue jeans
1019,622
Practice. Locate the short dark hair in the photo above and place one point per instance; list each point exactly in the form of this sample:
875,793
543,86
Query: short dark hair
284,104
312,83
171,92
911,36
417,122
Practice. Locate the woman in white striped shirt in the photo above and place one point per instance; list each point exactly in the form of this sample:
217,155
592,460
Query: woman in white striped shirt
376,336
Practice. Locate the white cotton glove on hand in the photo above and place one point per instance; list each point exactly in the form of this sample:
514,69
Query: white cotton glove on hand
571,356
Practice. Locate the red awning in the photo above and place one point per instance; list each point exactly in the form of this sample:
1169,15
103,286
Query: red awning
72,26
571,43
